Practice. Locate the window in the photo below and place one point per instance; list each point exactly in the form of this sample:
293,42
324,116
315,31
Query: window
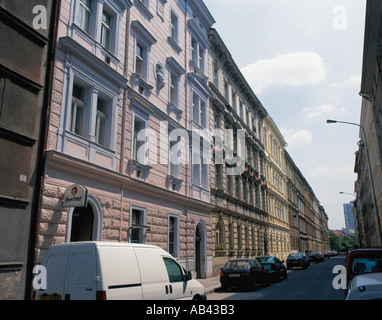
85,12
197,54
174,91
174,156
200,168
174,270
139,140
174,26
101,122
173,235
139,60
216,75
78,110
137,226
199,110
106,30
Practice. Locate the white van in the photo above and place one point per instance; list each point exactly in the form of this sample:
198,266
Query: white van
115,271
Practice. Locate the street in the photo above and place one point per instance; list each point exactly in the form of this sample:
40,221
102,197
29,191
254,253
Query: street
314,283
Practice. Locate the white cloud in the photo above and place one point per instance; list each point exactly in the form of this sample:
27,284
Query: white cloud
351,81
295,69
331,172
297,138
320,111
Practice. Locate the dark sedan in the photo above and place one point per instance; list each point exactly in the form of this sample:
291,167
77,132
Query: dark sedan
243,272
276,268
298,260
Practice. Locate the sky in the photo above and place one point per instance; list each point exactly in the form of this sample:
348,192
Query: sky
303,60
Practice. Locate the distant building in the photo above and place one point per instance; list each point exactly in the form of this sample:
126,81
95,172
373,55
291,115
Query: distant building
349,218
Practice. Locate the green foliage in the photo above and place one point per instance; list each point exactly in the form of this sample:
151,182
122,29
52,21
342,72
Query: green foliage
343,243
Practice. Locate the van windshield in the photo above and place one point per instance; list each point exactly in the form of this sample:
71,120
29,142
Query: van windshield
368,263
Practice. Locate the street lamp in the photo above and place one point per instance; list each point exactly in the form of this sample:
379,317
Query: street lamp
352,194
370,170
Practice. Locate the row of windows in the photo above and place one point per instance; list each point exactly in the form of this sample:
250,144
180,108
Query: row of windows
254,242
231,96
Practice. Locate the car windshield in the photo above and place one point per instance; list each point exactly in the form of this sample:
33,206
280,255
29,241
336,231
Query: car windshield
367,264
265,259
295,255
238,264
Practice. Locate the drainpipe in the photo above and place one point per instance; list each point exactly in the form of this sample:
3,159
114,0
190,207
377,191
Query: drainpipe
40,164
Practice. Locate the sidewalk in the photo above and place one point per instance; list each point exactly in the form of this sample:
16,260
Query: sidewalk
210,284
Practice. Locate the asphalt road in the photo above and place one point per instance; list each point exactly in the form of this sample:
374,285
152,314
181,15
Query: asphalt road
313,283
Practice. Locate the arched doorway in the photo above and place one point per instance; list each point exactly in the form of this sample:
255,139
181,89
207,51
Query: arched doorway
200,250
85,224
82,224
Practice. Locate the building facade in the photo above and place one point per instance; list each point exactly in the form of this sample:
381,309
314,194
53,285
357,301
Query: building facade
239,216
275,170
26,33
129,88
368,187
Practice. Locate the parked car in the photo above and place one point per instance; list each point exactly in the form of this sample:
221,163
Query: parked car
365,287
362,261
243,272
320,256
313,257
327,254
115,271
299,260
277,269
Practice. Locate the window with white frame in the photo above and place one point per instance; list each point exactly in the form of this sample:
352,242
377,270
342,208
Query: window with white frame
174,89
197,54
106,30
174,26
139,139
200,167
85,14
78,110
83,111
143,42
174,155
140,60
199,110
100,20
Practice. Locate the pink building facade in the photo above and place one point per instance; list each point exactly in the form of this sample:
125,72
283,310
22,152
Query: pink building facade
130,86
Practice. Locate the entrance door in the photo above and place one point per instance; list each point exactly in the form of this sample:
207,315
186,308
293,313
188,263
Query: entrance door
200,251
82,224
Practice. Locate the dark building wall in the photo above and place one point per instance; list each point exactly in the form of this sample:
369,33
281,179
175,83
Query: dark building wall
24,64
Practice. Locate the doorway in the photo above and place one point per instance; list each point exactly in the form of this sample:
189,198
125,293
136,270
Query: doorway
200,250
82,224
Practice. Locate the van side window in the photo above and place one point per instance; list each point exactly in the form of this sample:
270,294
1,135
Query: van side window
174,270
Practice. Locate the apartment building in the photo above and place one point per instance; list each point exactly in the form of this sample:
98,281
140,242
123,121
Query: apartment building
130,87
26,33
239,216
368,187
277,196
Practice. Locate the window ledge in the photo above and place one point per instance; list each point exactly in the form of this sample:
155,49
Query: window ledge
144,88
173,183
174,44
139,170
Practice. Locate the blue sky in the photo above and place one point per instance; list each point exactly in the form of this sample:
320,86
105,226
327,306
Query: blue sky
303,59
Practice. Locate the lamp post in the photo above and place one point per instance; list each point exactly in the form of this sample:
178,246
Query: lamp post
370,170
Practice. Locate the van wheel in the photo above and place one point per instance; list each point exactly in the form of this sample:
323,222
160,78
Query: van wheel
197,297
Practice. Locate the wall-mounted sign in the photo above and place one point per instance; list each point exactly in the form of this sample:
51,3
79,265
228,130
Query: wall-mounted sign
75,196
